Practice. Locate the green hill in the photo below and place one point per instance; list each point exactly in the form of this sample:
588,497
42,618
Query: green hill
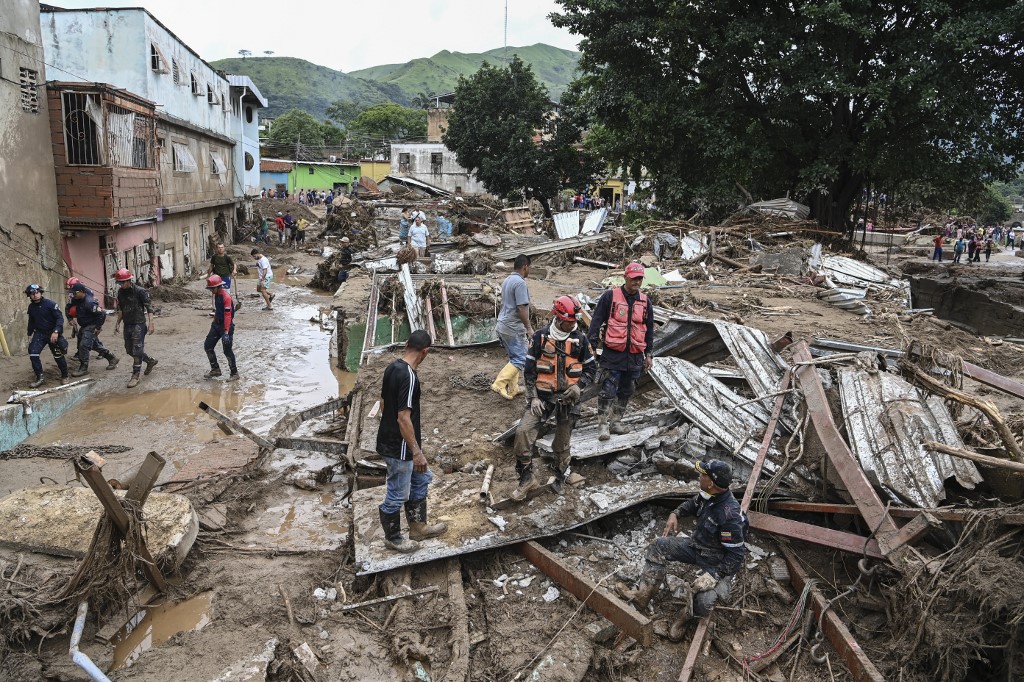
554,67
295,83
289,83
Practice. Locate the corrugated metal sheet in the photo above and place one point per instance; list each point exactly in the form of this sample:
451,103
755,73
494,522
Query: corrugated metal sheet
585,443
854,273
595,221
787,208
567,224
412,299
552,246
847,299
887,420
752,351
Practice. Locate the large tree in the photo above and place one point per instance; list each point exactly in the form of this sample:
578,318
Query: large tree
295,126
390,122
506,131
817,98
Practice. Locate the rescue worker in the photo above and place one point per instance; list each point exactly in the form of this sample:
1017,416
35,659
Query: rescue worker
136,311
221,329
71,312
627,317
716,546
45,328
513,328
90,317
559,365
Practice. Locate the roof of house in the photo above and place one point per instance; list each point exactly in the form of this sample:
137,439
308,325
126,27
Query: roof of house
246,82
268,166
317,163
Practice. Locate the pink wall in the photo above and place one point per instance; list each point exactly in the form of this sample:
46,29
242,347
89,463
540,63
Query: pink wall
82,255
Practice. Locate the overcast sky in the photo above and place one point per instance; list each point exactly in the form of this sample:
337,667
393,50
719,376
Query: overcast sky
349,35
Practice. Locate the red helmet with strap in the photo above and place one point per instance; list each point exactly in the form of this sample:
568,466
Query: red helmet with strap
214,282
123,275
566,308
73,280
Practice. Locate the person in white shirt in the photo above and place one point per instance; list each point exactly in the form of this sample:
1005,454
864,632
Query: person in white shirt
419,237
264,277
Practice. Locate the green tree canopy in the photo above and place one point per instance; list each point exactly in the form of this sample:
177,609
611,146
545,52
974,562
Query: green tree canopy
343,113
297,126
814,97
390,122
504,130
333,135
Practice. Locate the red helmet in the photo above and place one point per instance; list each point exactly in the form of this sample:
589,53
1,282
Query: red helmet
566,308
214,282
73,280
123,275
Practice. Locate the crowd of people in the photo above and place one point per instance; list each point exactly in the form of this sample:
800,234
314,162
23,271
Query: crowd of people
973,239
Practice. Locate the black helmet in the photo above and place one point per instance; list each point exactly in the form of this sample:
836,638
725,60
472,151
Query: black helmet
32,288
718,471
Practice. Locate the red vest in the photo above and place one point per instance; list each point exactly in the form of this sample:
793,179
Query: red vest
621,325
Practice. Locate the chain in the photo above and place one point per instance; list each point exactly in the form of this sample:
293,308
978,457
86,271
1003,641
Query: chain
477,382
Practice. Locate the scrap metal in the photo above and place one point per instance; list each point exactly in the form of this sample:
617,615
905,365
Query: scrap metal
825,537
567,224
553,246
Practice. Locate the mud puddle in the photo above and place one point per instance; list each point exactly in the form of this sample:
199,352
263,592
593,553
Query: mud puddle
155,626
301,520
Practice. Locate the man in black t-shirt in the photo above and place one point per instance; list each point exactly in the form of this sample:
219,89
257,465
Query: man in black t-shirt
398,441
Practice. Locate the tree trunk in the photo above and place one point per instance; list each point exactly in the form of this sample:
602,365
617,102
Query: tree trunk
545,205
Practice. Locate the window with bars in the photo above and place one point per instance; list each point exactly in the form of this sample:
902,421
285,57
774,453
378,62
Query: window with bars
129,138
83,125
436,163
28,80
176,72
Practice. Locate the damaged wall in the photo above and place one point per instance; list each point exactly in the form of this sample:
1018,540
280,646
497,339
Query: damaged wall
420,161
970,306
29,237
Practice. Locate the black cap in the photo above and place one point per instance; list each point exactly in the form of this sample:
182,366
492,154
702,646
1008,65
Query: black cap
78,287
718,471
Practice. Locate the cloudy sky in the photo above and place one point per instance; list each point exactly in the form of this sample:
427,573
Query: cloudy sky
349,35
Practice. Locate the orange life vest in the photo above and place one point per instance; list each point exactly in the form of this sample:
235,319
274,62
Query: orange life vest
558,369
623,326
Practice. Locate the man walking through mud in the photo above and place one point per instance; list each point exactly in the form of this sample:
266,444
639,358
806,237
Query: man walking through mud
398,441
91,316
136,311
221,329
45,328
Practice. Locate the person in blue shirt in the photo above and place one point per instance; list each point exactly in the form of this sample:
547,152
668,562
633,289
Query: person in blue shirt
45,328
91,316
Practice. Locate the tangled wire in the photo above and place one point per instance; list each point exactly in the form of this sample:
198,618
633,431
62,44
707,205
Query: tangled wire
477,382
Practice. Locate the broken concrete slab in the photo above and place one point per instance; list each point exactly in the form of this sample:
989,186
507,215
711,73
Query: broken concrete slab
30,411
250,669
61,520
454,498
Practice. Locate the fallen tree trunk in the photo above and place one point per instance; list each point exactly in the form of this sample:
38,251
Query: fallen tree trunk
974,456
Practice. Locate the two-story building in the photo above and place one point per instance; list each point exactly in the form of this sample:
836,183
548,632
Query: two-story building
29,238
153,131
431,161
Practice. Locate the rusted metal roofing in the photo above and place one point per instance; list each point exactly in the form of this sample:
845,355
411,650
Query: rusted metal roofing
567,224
886,422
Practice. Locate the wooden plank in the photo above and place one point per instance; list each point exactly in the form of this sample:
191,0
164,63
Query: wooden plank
618,612
974,456
447,314
458,666
857,662
237,426
842,458
393,597
695,646
766,442
826,537
334,447
430,321
956,515
138,491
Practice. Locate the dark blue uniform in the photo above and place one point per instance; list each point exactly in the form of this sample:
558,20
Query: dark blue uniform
44,318
134,304
91,316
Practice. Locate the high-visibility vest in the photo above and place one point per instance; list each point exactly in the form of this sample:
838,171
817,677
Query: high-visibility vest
626,322
558,369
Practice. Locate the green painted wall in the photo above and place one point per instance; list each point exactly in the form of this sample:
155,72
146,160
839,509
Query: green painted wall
322,177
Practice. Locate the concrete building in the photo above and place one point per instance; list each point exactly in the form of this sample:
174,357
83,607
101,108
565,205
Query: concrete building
112,67
29,236
434,164
306,175
274,174
247,153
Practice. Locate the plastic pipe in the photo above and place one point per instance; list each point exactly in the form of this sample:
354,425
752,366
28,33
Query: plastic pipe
80,659
3,343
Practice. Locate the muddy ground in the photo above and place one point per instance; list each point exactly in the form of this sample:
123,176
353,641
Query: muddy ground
280,542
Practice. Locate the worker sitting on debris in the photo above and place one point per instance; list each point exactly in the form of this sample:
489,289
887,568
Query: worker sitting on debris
514,328
398,441
45,328
559,366
628,320
222,328
716,546
90,316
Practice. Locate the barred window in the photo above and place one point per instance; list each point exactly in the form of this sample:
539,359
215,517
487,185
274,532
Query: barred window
83,129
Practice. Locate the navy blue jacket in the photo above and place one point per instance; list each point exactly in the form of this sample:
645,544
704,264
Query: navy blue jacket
45,316
88,311
720,532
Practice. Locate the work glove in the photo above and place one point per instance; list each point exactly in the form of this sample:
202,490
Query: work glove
704,582
537,407
570,395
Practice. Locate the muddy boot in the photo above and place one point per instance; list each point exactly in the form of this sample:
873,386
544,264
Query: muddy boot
393,539
38,382
233,376
602,419
501,384
419,529
615,423
679,625
214,372
641,596
81,371
112,360
134,381
64,380
150,364
527,481
513,384
562,471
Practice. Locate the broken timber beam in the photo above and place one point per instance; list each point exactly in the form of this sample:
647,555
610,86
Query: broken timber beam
839,453
974,456
324,408
392,597
958,515
458,666
766,442
237,426
695,646
334,447
825,537
447,314
142,484
618,612
857,662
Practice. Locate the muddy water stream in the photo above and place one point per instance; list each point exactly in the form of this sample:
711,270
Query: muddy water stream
155,626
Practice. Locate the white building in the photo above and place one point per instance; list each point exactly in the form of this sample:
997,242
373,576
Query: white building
434,164
247,154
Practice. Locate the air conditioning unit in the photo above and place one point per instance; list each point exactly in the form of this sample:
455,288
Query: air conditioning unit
332,158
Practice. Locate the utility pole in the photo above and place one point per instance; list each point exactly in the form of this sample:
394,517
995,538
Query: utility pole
504,52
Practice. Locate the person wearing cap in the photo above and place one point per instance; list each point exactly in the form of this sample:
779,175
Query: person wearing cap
624,319
559,365
716,546
345,259
45,329
90,316
222,328
279,222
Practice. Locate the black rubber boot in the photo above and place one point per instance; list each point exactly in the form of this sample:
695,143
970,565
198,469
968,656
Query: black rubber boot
38,382
616,426
603,407
419,529
393,539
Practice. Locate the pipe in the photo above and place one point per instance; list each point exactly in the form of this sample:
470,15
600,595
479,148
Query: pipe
80,659
3,343
486,487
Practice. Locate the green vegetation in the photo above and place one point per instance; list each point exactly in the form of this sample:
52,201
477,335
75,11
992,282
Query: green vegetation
816,99
504,131
390,122
290,83
298,126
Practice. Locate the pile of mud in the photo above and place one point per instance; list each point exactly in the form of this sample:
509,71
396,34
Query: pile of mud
269,208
